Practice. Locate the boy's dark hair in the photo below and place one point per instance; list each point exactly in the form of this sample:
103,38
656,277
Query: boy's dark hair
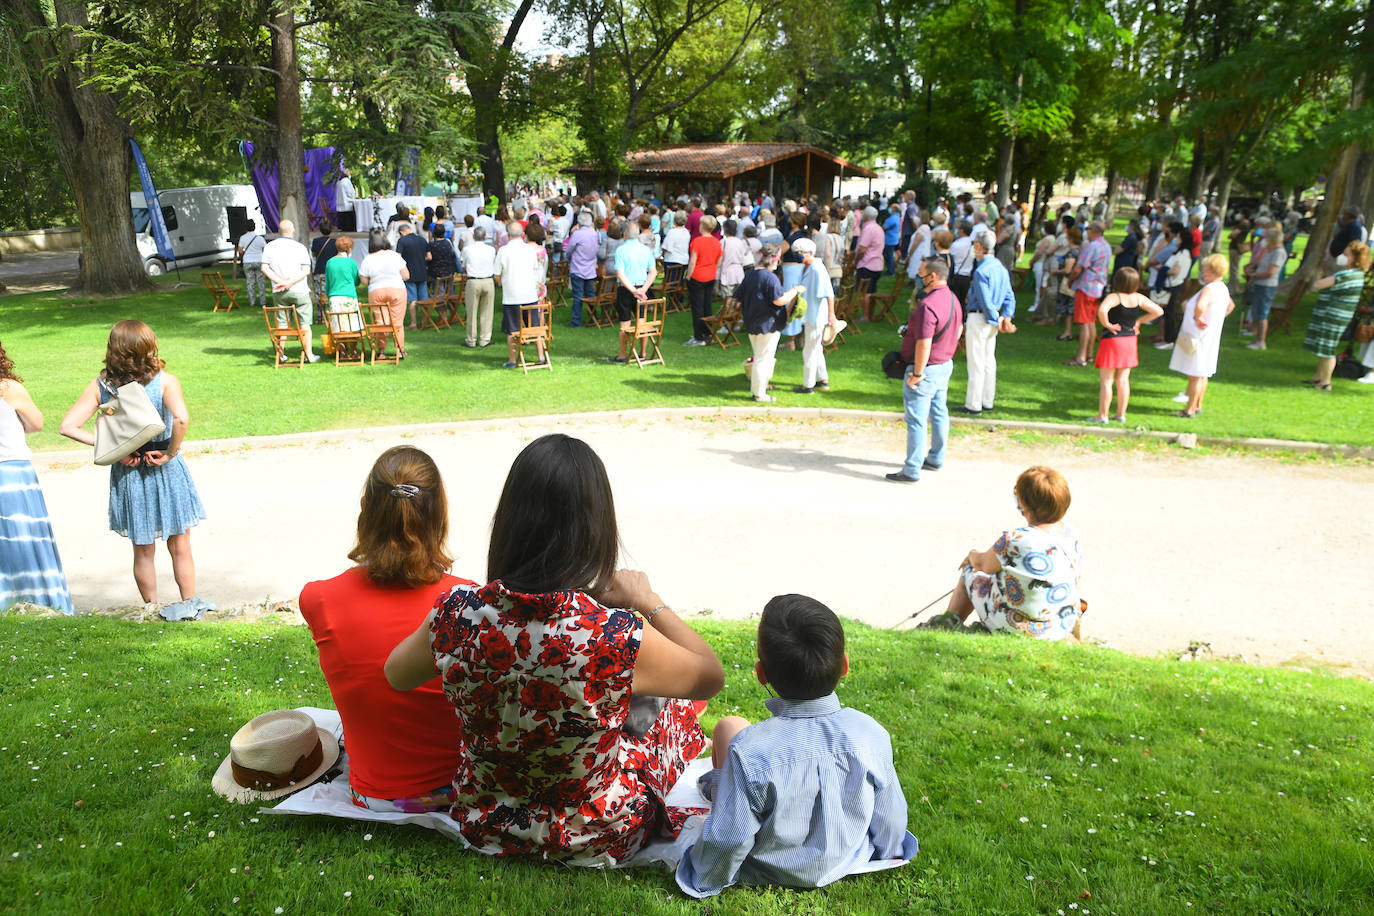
801,645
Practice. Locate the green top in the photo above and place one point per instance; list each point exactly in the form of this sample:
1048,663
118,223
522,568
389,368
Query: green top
341,276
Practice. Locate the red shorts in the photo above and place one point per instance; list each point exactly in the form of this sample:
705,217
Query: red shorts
1117,353
1085,308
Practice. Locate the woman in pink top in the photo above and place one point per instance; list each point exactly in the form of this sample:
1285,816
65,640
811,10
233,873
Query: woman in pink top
870,261
734,255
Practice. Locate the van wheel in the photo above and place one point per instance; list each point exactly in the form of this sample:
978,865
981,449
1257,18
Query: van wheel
154,267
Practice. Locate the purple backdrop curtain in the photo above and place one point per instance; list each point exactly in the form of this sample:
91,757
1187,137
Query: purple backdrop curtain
321,179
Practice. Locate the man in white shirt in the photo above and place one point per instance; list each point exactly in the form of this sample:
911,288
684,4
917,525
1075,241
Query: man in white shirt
480,263
345,197
286,264
742,222
487,223
520,266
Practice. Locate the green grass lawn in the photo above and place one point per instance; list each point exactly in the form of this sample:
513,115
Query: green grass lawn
224,360
1039,778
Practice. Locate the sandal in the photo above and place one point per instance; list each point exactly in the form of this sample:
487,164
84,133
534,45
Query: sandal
1183,414
1075,362
1322,386
1064,337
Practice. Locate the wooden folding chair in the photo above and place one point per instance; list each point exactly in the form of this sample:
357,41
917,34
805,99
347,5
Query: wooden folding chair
648,329
454,307
224,296
882,303
674,286
601,307
319,295
534,329
722,323
282,326
849,303
346,332
556,284
432,311
378,330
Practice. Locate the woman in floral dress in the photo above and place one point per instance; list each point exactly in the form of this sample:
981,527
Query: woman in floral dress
540,665
1028,580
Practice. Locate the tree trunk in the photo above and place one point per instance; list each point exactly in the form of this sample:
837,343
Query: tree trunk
1113,192
1004,164
1152,182
1043,191
1197,170
1224,192
291,201
486,103
1313,258
91,143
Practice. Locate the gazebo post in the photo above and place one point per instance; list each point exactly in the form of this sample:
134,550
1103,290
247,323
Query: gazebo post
806,188
732,188
839,189
770,179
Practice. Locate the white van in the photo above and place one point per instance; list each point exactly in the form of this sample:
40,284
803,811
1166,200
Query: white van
203,224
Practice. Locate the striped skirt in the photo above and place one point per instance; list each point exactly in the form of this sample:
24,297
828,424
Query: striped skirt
30,568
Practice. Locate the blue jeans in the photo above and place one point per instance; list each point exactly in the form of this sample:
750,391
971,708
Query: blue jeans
416,291
889,259
581,289
926,400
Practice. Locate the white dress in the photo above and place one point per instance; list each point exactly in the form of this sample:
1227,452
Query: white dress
1203,362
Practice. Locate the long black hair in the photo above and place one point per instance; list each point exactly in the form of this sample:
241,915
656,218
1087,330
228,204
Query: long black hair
554,527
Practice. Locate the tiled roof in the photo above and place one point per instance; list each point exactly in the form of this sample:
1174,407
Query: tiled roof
721,160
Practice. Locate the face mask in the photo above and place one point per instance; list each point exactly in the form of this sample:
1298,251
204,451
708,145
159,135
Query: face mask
1342,260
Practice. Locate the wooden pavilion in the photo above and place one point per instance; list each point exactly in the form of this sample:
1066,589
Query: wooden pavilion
719,169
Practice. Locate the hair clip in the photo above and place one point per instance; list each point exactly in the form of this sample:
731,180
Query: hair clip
404,491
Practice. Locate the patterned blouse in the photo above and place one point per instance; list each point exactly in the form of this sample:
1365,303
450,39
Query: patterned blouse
541,684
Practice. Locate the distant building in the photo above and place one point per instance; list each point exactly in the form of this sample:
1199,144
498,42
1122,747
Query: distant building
720,169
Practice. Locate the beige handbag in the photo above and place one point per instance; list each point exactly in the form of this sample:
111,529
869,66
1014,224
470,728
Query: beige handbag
125,423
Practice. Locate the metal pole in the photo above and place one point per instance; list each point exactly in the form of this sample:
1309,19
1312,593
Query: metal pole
770,180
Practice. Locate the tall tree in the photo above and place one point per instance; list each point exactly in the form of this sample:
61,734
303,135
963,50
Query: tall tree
91,139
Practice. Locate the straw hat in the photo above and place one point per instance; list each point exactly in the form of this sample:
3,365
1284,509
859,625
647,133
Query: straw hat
828,332
273,755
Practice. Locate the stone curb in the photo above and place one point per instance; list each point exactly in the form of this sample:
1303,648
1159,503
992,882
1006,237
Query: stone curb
318,437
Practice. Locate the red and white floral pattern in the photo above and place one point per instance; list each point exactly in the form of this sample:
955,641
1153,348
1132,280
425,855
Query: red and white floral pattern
541,684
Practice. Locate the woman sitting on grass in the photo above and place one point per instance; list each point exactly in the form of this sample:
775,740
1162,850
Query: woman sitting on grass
540,665
402,747
1337,298
1028,579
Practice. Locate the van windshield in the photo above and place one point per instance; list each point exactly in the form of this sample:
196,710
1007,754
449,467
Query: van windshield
140,219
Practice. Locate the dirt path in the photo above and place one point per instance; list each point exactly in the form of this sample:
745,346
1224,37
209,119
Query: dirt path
1242,553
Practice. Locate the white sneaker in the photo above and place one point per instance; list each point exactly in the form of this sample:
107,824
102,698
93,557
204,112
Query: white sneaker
1256,345
1246,332
1164,346
693,342
1181,398
1366,379
313,358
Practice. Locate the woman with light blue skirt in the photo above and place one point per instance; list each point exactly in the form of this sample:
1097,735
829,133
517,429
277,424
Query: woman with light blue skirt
152,496
30,568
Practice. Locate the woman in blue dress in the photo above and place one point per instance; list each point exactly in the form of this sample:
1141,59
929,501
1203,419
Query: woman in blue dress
152,496
30,568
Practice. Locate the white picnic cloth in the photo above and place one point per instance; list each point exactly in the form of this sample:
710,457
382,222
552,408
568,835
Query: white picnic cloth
332,799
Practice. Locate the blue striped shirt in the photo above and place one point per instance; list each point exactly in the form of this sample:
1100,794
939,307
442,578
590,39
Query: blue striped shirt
990,294
803,798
